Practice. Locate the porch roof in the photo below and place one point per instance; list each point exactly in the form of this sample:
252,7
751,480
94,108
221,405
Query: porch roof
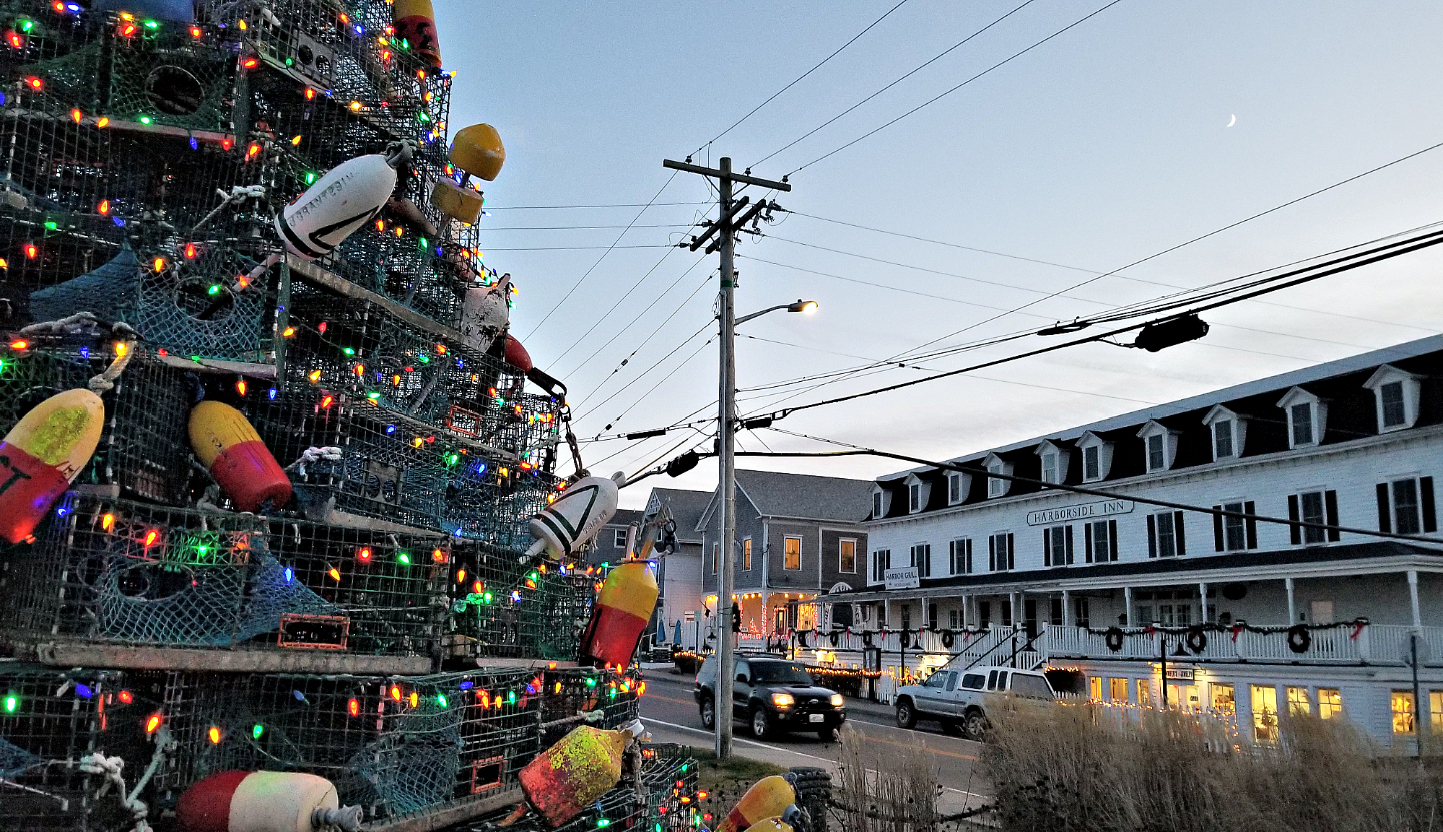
1310,562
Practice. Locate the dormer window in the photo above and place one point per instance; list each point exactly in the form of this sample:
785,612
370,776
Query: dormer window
881,502
996,486
1306,417
1096,457
957,487
1395,395
918,493
1228,430
1054,462
1159,446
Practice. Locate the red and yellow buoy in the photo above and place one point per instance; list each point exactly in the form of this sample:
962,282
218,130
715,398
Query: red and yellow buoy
769,797
627,599
259,801
39,457
228,447
572,774
416,24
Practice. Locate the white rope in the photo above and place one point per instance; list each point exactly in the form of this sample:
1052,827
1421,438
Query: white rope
124,350
112,768
313,455
238,194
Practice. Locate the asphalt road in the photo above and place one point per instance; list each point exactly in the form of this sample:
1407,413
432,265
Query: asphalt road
671,715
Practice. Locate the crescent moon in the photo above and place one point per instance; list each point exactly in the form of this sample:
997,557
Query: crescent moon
1233,121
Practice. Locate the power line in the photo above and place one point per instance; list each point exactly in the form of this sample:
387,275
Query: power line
801,77
614,244
917,69
651,334
634,286
609,248
936,98
490,229
570,207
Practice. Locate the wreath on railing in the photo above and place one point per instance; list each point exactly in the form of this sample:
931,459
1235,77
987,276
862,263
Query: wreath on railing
1300,636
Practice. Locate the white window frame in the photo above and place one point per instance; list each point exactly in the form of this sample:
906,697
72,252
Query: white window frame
786,539
841,543
1090,540
1237,426
1232,524
1411,385
879,503
921,557
619,540
1317,414
959,556
919,493
747,554
881,562
997,465
958,486
1058,456
997,559
1156,432
1104,456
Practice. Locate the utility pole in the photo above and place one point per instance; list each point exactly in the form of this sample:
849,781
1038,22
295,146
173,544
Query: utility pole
725,228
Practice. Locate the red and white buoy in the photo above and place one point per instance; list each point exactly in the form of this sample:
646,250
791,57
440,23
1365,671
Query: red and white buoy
263,801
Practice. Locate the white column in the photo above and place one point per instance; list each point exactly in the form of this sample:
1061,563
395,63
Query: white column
886,613
1292,604
1413,598
1202,593
1066,609
1127,604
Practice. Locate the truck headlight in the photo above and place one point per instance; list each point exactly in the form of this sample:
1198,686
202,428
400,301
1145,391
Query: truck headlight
783,700
836,700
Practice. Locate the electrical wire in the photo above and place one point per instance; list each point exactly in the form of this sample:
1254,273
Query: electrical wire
652,204
942,95
803,76
490,229
652,334
894,83
622,299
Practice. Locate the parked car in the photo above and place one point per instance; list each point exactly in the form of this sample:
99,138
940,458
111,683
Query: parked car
774,695
956,697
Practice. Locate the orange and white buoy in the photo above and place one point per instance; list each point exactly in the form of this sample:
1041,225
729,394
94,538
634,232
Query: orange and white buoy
577,515
262,801
769,797
233,453
618,619
40,456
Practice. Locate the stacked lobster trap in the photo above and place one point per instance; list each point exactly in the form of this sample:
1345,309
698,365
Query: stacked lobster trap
269,474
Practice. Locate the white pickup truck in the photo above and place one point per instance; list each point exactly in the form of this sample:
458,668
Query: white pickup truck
955,697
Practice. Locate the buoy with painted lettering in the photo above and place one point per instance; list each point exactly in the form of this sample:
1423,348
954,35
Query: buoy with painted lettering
769,797
577,515
475,151
343,200
233,453
40,456
416,25
263,801
485,313
618,619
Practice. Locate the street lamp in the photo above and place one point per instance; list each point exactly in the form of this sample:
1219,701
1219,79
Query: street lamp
726,436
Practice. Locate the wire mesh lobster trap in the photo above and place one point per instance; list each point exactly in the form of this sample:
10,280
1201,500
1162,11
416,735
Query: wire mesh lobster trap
143,451
119,572
395,746
50,720
502,607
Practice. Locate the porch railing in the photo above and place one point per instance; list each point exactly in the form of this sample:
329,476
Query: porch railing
1345,644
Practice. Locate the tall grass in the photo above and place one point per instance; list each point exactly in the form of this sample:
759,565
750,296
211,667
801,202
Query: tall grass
884,788
1080,767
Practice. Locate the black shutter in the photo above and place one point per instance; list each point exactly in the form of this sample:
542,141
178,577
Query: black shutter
969,555
1087,541
1295,532
1252,509
1112,540
1385,519
1152,535
992,553
1011,550
1330,505
1177,527
1047,547
1425,494
1217,530
1069,545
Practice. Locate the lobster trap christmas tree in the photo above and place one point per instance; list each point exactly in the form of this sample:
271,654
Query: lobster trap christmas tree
272,461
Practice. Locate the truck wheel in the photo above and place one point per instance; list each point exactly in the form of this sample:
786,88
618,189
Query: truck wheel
906,714
974,724
761,724
708,712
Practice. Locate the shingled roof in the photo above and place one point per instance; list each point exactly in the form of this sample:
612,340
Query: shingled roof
687,508
776,494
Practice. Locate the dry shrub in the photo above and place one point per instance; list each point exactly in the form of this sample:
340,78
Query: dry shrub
1099,769
884,788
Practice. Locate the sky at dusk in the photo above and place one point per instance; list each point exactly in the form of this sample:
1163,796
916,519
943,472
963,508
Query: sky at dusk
1108,143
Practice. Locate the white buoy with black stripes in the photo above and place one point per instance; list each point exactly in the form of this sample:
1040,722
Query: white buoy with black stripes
350,195
577,515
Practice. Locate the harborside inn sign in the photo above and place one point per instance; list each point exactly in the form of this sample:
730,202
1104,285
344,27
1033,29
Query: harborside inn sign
1085,511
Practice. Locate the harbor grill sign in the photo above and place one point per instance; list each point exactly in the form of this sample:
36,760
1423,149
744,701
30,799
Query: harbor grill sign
1085,511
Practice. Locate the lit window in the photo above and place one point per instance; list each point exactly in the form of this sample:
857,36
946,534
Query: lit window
1144,693
1117,689
1299,704
847,555
1265,712
1401,704
747,553
1224,698
1330,703
1223,439
792,553
1094,688
1435,712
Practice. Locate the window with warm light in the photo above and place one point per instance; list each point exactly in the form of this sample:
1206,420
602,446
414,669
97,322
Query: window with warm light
1117,690
1330,703
1435,712
847,555
1299,703
1094,688
1402,707
747,553
1144,693
792,553
1265,712
1225,698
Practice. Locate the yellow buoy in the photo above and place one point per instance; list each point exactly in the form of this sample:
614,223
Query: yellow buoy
42,454
478,151
769,797
456,202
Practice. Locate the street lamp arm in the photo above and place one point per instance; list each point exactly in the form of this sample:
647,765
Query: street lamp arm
799,306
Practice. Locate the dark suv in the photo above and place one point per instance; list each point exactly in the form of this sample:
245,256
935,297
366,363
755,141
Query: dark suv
773,695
